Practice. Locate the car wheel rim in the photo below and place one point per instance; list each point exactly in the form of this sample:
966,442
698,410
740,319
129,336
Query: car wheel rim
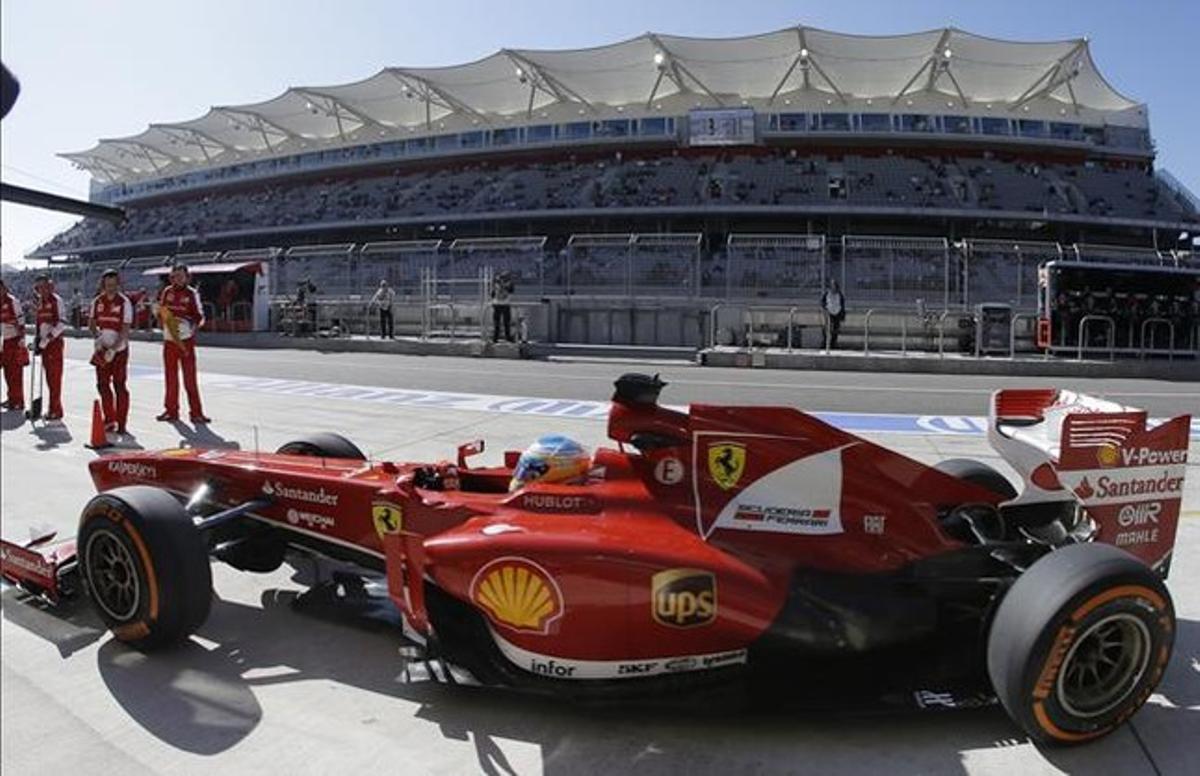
1103,666
112,575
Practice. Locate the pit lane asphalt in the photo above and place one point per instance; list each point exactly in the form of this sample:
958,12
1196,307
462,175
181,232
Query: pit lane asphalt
592,380
263,689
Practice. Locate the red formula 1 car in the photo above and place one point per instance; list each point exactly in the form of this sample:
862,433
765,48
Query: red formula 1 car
755,547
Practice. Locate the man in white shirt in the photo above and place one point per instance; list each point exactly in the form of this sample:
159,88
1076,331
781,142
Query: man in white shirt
384,297
833,302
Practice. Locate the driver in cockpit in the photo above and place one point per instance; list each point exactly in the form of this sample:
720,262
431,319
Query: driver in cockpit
552,458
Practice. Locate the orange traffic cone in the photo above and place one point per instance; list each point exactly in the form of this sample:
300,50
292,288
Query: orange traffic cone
99,440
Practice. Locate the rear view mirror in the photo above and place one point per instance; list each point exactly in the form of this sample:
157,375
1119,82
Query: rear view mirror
467,450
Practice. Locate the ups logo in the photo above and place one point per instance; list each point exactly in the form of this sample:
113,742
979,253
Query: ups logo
683,598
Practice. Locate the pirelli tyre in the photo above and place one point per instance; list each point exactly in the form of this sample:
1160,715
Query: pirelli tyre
978,473
323,444
1079,642
145,566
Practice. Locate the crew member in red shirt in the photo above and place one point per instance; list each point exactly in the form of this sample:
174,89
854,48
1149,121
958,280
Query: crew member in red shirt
13,355
110,319
182,316
51,323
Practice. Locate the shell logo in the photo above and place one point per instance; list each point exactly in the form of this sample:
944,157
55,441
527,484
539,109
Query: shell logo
517,593
1107,455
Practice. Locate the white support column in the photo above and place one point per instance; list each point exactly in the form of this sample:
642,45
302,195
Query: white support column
542,79
433,94
147,151
256,122
933,68
677,71
335,107
195,138
1064,71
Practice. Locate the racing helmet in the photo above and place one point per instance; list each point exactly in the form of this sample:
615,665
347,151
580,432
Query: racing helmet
552,458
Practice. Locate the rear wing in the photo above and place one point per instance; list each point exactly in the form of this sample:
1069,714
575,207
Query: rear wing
42,566
1126,472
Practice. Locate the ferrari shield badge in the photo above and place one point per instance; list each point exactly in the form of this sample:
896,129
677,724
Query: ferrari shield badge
726,463
388,518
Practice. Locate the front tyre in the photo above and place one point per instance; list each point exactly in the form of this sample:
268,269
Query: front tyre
145,566
323,444
1079,643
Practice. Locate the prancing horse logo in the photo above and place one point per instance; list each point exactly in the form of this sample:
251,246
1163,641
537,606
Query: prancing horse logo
388,518
726,463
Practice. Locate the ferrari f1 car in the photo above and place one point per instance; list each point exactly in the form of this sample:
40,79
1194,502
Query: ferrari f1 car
756,546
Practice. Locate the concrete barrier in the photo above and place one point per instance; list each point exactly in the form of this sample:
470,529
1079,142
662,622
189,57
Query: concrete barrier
952,363
759,358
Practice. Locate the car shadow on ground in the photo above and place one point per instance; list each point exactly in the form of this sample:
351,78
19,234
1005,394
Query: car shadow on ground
200,698
69,626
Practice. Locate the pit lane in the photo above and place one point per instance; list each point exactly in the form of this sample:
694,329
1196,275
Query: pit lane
262,688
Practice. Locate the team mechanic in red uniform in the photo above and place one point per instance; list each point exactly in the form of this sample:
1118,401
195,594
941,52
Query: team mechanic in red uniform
111,317
51,323
182,316
13,356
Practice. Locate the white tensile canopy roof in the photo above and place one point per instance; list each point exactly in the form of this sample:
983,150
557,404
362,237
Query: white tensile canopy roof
798,68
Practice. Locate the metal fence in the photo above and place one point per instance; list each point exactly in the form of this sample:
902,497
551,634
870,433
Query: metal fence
521,257
402,263
898,270
1117,254
331,268
1004,270
665,265
773,266
875,271
597,264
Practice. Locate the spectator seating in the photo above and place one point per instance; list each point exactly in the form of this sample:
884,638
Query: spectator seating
780,177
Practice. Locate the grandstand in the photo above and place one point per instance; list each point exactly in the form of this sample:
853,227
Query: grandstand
939,166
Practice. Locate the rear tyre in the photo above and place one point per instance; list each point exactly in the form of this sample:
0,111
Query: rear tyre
979,474
1079,643
145,566
323,444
